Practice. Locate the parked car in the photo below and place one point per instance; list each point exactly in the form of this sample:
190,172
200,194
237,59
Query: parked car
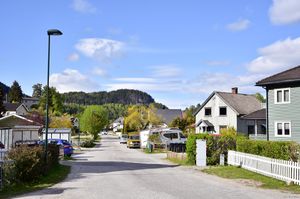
133,140
104,133
67,146
123,139
172,136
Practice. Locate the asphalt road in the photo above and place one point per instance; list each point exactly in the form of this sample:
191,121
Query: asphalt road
113,171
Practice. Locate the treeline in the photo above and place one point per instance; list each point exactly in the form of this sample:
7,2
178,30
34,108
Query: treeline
122,96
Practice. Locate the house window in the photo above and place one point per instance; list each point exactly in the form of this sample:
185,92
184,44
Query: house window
283,129
207,111
223,111
222,127
263,129
251,129
282,96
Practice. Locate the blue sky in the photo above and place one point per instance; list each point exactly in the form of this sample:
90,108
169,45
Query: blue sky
177,51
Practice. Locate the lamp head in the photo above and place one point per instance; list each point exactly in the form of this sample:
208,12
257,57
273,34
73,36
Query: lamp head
54,32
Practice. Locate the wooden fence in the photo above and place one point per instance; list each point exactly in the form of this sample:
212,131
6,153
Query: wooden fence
287,171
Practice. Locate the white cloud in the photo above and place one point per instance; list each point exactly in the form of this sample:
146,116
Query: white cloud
166,71
277,56
72,80
241,24
99,71
73,57
102,49
83,6
135,79
285,11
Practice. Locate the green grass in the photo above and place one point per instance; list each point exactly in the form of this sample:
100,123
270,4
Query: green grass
232,172
146,150
55,175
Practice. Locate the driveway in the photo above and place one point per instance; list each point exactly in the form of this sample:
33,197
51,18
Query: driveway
113,171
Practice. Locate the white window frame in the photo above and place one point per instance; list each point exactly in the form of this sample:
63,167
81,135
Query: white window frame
283,122
282,90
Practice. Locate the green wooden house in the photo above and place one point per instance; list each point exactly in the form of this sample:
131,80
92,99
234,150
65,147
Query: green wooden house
283,105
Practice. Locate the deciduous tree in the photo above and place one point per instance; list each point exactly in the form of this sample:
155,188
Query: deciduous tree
37,90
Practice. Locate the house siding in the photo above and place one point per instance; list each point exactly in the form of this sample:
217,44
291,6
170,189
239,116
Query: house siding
230,120
285,112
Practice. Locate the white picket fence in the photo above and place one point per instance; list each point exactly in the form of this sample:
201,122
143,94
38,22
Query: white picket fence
288,171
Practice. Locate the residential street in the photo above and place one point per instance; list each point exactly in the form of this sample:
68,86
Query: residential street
113,171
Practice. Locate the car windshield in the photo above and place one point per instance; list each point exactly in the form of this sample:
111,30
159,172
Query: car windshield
181,135
134,137
124,136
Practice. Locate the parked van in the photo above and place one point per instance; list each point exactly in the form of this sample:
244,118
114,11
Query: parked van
133,140
172,135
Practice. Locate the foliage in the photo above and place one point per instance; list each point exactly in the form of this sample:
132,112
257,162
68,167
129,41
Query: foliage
37,90
158,105
273,149
122,96
15,94
93,120
180,123
5,88
155,138
260,97
88,144
115,110
37,117
2,108
55,101
216,145
28,163
73,109
63,121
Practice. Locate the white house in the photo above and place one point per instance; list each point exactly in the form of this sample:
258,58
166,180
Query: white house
223,109
117,125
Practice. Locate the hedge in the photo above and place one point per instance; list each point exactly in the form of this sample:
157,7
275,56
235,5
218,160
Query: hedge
216,145
28,163
285,150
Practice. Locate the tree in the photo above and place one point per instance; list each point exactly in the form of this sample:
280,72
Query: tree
260,97
180,123
37,90
60,122
55,101
93,120
2,108
15,94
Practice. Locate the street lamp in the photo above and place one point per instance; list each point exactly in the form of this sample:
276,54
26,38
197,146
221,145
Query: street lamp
50,32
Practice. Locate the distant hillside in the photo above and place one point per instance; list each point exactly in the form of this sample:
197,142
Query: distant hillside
122,96
5,88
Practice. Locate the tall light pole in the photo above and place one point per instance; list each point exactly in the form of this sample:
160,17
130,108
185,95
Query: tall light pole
50,32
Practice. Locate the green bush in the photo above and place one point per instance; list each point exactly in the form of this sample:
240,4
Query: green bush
284,150
27,164
215,146
88,144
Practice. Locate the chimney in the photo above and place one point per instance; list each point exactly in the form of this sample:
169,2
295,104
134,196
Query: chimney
234,90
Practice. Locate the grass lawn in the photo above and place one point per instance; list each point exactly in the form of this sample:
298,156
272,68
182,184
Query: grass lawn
232,172
179,162
56,175
146,150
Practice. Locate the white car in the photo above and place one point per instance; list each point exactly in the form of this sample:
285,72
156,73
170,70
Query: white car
104,133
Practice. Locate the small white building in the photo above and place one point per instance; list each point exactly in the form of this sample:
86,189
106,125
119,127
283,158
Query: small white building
117,125
29,101
15,128
58,133
222,110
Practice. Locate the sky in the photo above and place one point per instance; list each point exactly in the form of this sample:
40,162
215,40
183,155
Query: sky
177,51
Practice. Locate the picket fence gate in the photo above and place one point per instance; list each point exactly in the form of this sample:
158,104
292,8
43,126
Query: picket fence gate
287,171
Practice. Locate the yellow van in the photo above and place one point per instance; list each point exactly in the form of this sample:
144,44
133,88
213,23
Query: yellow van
133,140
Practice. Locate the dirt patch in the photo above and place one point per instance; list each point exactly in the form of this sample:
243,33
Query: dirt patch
251,183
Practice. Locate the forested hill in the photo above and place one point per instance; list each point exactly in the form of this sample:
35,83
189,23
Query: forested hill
4,88
122,96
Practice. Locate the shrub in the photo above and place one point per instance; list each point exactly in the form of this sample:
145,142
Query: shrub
215,146
155,138
88,144
284,150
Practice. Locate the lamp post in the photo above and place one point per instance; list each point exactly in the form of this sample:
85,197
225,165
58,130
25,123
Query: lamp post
50,32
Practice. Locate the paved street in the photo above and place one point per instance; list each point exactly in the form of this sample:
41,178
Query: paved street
113,171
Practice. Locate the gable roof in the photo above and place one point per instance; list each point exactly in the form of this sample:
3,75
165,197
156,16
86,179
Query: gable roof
16,120
259,114
242,104
13,106
290,75
168,115
119,120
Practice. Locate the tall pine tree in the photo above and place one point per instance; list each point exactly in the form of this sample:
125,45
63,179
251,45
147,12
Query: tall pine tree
15,93
2,108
